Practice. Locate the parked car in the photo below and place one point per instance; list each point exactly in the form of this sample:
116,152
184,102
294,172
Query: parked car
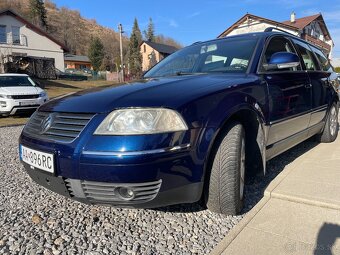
200,122
70,70
19,93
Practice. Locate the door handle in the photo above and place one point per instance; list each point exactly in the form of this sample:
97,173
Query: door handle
308,86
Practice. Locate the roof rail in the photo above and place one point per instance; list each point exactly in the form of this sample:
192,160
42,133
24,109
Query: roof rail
198,42
270,29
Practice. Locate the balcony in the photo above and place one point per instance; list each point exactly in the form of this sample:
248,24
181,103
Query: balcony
317,42
10,39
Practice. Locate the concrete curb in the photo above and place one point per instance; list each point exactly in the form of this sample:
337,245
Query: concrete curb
268,194
305,201
226,241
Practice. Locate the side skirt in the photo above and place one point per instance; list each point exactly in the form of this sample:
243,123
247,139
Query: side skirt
281,146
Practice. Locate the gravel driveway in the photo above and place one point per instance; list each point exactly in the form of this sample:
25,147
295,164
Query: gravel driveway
36,221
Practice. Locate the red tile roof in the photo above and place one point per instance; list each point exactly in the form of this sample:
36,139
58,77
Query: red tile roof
252,16
302,22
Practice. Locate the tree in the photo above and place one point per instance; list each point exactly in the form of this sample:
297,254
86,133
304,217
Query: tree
150,32
168,41
135,57
152,59
38,13
96,53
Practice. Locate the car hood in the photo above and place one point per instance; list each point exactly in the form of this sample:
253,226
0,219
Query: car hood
170,92
20,90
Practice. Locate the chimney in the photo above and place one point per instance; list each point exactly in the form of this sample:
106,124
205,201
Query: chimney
292,17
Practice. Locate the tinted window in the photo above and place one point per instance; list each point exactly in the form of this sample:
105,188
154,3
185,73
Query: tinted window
3,37
16,35
323,61
307,55
278,44
229,55
15,81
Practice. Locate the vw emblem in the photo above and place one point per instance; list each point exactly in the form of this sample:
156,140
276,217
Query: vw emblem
46,123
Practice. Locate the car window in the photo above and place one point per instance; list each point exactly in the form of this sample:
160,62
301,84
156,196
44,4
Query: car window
15,81
278,44
323,60
307,55
226,56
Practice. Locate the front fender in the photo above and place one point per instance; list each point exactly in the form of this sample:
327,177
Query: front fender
217,122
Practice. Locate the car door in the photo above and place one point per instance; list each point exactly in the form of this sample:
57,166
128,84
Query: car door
322,86
319,81
289,97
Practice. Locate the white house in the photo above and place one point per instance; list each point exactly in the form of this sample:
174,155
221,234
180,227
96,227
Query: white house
311,28
19,37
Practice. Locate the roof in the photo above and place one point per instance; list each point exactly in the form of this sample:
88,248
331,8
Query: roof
298,25
32,26
301,23
161,48
252,16
76,58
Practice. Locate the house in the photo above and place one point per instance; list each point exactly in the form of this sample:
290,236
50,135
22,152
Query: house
153,52
77,62
312,29
19,37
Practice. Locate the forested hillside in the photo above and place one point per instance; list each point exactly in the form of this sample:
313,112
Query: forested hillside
75,31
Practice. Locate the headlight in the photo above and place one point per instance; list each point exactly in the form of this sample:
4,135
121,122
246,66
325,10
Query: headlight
141,121
5,96
43,94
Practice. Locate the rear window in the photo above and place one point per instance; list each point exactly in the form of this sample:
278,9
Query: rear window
307,55
16,81
323,60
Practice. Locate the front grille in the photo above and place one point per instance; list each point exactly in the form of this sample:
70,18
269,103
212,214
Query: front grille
64,127
106,193
25,96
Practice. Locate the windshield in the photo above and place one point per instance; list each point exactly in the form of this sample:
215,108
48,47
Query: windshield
16,81
228,56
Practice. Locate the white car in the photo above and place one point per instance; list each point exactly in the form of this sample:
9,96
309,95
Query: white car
19,93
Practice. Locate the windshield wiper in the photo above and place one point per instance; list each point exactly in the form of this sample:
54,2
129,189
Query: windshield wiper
186,73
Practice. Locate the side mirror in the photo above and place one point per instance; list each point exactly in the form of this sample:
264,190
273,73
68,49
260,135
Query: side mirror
282,60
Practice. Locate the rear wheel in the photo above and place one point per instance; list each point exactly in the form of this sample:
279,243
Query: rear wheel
330,132
226,185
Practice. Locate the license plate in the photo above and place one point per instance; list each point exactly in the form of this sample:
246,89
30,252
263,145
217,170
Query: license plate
37,159
27,103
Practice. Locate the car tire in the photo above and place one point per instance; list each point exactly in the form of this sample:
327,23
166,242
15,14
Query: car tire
226,184
330,131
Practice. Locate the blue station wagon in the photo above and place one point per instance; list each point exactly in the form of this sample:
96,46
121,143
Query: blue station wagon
193,129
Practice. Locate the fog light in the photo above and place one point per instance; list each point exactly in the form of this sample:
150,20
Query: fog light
3,104
125,193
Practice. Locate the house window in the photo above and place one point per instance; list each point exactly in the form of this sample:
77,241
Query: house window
144,48
16,35
3,35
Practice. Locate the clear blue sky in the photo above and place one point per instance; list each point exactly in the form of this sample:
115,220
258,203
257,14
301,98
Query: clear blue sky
198,20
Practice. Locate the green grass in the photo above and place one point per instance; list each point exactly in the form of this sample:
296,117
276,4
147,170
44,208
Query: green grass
56,88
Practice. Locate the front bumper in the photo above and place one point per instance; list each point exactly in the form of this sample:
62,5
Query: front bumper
13,106
146,194
161,169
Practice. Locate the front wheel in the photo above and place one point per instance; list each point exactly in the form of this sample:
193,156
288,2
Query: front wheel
330,132
226,185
